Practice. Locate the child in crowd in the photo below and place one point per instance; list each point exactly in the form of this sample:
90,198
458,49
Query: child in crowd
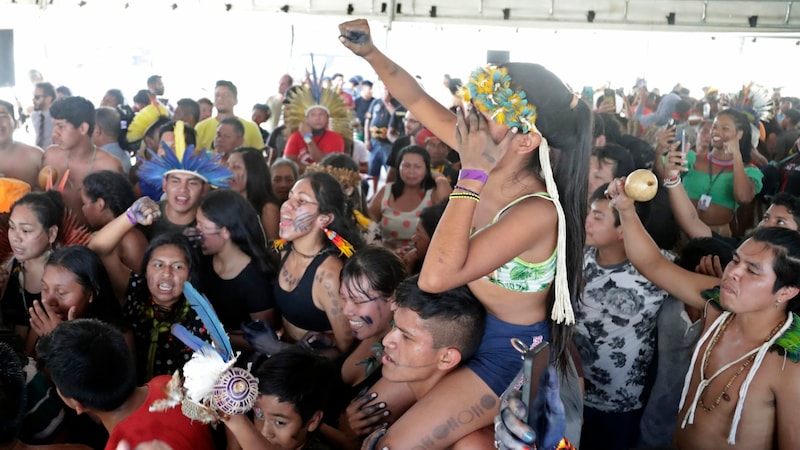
294,386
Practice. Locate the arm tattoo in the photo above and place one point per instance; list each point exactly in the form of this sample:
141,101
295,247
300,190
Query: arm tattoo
486,405
489,158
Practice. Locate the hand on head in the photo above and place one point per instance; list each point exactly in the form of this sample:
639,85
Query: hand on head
475,144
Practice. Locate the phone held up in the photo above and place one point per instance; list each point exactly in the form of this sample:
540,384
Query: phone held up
680,133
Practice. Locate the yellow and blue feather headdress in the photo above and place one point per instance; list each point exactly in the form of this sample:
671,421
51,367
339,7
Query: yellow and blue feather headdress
184,159
489,88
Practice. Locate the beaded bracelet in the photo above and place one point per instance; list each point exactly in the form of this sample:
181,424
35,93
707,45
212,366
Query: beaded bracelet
475,197
670,183
461,188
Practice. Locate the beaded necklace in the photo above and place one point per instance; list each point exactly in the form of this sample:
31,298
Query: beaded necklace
748,358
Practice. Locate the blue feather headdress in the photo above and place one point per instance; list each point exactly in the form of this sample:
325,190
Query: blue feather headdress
185,160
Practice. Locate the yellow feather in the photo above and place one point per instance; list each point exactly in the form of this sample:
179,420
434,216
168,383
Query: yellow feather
180,140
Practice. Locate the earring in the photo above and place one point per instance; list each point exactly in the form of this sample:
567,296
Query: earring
341,243
777,304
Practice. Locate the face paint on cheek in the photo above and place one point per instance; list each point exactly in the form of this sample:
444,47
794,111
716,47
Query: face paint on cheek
366,319
302,223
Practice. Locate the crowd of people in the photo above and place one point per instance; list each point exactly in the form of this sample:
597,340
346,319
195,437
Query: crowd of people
383,267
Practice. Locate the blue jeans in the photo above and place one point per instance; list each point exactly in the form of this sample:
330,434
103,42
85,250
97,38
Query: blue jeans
378,157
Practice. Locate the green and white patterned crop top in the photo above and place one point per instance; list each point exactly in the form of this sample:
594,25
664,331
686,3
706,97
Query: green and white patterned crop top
519,275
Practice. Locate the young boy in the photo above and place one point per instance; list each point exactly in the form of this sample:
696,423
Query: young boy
614,330
294,386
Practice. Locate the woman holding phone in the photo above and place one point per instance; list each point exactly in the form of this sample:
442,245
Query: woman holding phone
723,178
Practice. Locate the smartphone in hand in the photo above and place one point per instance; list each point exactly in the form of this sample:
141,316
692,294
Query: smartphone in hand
680,136
534,364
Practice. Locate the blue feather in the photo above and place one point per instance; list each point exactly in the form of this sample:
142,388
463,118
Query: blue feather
206,312
315,82
186,336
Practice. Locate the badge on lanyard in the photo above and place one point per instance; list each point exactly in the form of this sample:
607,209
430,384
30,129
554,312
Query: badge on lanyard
704,202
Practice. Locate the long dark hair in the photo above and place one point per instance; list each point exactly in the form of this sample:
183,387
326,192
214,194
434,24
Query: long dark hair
90,273
332,200
427,183
259,179
230,210
380,267
567,126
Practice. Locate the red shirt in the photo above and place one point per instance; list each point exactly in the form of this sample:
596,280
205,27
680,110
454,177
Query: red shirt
328,142
170,426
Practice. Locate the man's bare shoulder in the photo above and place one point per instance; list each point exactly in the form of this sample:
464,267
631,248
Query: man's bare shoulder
781,368
30,150
107,161
55,152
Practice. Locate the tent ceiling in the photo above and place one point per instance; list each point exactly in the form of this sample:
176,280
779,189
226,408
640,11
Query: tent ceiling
770,16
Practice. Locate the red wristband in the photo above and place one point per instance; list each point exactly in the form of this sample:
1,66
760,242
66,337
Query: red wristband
473,174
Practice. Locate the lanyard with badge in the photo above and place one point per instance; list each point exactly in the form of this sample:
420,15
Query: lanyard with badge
705,199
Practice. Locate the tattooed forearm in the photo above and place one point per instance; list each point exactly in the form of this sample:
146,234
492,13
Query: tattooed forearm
486,406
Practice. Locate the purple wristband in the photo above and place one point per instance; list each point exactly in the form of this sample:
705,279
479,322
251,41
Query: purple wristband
473,174
131,217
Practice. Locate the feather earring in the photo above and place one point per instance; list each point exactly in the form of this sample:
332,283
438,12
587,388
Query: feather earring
345,247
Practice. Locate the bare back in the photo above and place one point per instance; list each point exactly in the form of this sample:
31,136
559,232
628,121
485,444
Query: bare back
22,162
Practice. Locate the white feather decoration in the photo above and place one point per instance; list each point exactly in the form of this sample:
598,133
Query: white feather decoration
202,372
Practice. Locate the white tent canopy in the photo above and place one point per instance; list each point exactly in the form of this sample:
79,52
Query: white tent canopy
118,43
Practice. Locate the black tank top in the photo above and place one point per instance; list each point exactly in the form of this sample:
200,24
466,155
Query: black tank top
297,306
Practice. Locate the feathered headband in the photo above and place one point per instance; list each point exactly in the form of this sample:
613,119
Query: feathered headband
755,101
184,160
306,98
489,88
345,177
